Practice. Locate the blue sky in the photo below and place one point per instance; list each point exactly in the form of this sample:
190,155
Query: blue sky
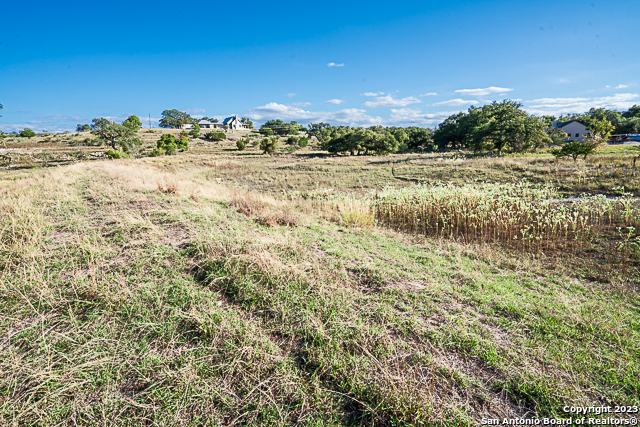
344,62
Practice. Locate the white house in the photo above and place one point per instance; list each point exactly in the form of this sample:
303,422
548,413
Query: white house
206,124
574,129
234,123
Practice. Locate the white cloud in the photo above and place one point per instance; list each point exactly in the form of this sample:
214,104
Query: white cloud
390,101
60,117
301,104
481,92
334,101
563,80
415,117
372,93
333,64
607,86
429,94
621,86
557,106
457,102
349,116
291,95
195,110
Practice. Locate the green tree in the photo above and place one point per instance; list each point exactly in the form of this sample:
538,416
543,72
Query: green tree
303,142
601,127
215,136
556,135
116,135
322,131
246,121
269,145
266,131
83,128
548,121
241,144
281,128
629,125
99,123
27,133
132,122
577,148
630,113
175,119
195,132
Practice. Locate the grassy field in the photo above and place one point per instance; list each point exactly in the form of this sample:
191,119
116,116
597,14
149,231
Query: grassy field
219,287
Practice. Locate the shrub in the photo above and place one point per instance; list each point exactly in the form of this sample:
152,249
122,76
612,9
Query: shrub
241,144
115,154
27,133
169,143
266,131
157,152
269,145
215,136
133,123
183,143
195,132
303,142
292,140
184,133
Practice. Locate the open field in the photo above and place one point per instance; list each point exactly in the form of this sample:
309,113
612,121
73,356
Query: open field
219,287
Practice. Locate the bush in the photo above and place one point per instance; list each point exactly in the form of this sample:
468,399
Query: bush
114,154
183,143
27,133
303,142
292,140
215,136
266,131
241,144
169,143
157,152
269,145
195,132
133,123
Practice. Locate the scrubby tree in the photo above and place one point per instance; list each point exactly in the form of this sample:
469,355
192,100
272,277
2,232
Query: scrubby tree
241,144
322,131
99,123
132,122
266,131
281,128
601,128
175,119
269,145
246,121
27,133
195,132
556,135
303,142
215,136
115,135
82,128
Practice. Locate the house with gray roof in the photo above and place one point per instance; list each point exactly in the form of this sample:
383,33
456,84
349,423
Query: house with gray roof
575,130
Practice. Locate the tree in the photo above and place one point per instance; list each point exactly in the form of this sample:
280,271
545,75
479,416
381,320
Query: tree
269,145
630,113
99,123
241,144
175,119
1,107
601,128
629,125
132,122
246,121
556,135
589,145
266,131
303,142
215,136
322,131
27,133
116,135
281,128
548,121
83,128
195,132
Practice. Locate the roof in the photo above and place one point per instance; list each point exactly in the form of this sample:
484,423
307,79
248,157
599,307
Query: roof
563,124
228,119
205,122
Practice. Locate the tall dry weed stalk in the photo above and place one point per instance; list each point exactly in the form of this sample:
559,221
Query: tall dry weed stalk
533,218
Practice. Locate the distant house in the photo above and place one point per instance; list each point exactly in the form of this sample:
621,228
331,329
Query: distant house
575,130
234,123
206,124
